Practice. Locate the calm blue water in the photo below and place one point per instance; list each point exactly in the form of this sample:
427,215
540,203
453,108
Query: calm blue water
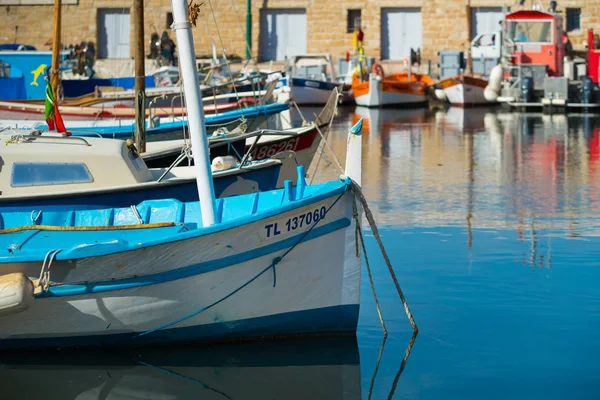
491,223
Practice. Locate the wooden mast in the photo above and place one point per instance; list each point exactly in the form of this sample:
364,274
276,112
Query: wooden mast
140,76
54,71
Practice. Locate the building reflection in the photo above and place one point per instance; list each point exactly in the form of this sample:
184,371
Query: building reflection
479,168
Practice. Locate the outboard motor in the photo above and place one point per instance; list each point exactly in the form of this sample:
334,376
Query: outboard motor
527,89
587,90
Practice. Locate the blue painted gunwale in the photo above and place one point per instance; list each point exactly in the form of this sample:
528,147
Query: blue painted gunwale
123,131
335,319
149,237
320,85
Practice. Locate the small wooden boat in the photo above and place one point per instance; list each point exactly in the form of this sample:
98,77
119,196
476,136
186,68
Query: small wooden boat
464,90
396,89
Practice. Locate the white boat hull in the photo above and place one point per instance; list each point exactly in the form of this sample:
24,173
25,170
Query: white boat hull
304,94
377,97
212,287
465,94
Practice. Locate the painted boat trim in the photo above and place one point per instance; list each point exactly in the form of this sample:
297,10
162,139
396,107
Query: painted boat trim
192,270
326,190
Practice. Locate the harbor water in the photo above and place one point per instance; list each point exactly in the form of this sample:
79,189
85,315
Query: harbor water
492,223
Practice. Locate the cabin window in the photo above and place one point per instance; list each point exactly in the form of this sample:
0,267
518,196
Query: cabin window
353,20
44,174
573,19
530,31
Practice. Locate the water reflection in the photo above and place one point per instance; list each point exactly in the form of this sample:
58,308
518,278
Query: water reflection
478,167
297,369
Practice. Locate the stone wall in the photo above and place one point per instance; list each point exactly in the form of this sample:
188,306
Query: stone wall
445,23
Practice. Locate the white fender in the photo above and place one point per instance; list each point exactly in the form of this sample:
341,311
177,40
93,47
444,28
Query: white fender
16,293
440,94
492,90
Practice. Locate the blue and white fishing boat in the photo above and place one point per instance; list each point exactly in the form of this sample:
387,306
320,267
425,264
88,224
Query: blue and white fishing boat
270,263
125,128
311,78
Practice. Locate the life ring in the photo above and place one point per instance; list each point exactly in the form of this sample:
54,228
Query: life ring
378,69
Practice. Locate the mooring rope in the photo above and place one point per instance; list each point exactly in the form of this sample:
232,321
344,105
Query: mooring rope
357,191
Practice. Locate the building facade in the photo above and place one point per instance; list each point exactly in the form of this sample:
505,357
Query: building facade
283,28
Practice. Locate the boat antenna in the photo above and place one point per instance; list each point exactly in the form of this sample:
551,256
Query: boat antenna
140,76
197,128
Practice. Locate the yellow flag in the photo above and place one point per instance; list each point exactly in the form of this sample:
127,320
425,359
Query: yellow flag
355,39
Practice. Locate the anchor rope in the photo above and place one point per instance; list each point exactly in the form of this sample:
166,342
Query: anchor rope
272,266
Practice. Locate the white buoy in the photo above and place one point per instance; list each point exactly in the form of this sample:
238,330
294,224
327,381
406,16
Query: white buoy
191,88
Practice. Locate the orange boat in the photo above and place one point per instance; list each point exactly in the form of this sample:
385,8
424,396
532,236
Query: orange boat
396,89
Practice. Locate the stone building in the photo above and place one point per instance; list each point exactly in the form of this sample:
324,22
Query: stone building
282,28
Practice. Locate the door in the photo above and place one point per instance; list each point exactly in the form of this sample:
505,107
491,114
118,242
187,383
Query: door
113,33
485,20
400,31
282,33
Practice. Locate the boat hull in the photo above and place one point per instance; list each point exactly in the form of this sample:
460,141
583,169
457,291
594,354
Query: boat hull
219,286
382,99
308,91
394,90
465,91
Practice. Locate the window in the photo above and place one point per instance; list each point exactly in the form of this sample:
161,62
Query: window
42,174
530,31
169,20
353,20
573,19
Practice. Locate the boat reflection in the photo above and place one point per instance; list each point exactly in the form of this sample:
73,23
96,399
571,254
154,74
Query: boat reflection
478,168
291,369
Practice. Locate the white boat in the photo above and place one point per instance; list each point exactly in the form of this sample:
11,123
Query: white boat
465,90
379,90
271,263
311,78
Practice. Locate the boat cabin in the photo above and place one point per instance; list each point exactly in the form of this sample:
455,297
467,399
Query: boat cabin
536,37
318,67
51,163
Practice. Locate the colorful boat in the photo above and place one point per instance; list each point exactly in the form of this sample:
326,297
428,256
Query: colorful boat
465,91
392,90
271,263
125,128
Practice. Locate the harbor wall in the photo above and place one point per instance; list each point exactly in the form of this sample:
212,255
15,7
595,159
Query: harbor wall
444,24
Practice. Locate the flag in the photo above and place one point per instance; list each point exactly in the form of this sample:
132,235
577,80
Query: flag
53,118
355,39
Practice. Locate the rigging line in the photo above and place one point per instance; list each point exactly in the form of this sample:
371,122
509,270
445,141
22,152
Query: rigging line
224,53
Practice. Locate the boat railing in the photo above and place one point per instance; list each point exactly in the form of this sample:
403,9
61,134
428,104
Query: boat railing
32,137
222,141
